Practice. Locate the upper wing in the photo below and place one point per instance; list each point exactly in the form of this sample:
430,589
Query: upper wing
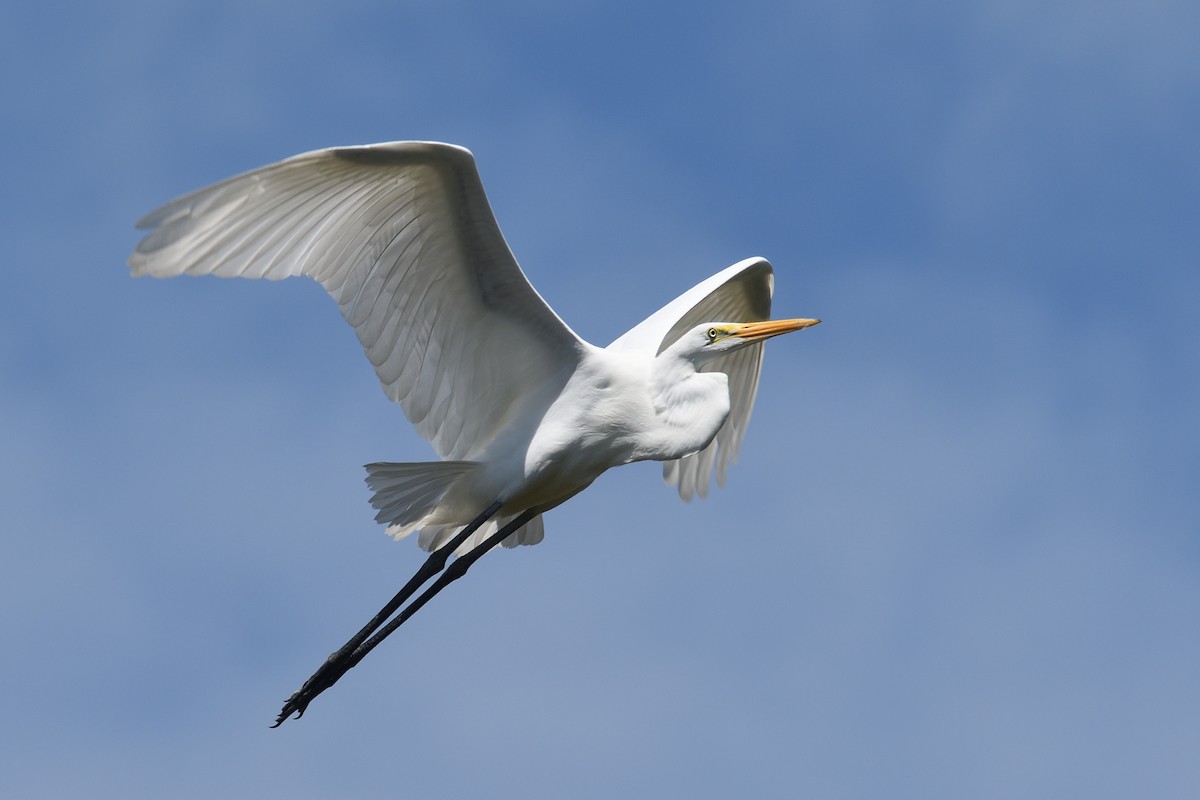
402,236
741,293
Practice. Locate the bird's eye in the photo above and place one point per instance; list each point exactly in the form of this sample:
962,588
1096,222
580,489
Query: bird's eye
712,334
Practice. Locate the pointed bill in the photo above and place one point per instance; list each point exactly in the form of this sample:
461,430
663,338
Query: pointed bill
757,331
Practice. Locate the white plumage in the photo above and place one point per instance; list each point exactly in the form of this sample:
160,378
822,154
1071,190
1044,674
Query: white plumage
402,237
523,413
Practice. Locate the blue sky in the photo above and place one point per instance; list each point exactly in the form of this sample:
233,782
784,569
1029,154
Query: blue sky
960,556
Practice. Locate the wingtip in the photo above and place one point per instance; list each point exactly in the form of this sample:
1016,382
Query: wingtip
391,152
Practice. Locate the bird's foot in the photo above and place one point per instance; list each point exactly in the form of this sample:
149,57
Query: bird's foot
334,667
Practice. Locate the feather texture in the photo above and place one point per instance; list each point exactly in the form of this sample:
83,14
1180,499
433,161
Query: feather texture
402,236
740,293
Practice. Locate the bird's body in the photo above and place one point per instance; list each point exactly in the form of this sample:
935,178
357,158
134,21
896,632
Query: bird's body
616,408
523,413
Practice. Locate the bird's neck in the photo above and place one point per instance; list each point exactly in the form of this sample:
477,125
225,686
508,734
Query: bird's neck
689,406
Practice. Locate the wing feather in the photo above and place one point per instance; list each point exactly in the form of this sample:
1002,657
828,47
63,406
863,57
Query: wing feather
402,237
740,293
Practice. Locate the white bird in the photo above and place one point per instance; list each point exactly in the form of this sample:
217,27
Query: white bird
523,413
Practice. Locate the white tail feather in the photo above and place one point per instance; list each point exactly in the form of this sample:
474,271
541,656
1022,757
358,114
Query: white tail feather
407,493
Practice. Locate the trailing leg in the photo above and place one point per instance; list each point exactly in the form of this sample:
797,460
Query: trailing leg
339,662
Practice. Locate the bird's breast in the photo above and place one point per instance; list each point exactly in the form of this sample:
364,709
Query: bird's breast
595,424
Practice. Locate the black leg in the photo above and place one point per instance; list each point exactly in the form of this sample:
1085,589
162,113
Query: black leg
335,666
458,567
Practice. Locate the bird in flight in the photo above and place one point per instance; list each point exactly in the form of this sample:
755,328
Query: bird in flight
523,413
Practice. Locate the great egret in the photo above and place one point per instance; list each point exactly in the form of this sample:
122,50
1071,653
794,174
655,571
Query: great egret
523,413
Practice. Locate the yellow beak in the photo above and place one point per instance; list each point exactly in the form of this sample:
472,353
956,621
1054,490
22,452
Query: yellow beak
756,331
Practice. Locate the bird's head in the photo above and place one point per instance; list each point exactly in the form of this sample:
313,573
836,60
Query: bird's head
712,339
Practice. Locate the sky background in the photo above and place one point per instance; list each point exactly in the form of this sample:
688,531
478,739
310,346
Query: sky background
959,557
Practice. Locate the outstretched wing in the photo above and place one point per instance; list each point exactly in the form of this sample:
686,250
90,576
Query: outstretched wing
741,293
402,236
